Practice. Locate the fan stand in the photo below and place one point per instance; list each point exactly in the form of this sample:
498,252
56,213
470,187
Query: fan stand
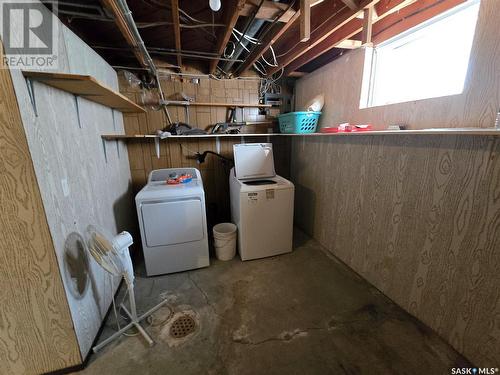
134,320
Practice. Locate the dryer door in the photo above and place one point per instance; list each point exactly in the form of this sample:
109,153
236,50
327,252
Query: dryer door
169,223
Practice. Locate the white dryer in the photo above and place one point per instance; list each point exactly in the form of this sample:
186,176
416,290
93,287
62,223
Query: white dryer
172,222
261,203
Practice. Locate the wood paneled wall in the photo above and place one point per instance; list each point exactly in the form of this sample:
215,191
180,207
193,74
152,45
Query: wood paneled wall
477,106
419,218
36,330
179,153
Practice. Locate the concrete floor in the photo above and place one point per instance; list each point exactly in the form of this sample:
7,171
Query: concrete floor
299,313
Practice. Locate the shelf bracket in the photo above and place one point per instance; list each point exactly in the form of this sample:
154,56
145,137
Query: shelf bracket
113,117
31,93
217,145
105,152
187,114
114,128
157,147
77,106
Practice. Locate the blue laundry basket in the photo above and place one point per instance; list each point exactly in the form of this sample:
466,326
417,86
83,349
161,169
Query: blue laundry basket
298,122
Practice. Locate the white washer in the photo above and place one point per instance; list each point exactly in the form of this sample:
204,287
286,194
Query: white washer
261,203
173,223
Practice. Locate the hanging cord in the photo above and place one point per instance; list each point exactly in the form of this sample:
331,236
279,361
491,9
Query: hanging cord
229,55
275,63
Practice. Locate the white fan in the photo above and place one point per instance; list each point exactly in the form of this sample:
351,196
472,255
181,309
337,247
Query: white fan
113,255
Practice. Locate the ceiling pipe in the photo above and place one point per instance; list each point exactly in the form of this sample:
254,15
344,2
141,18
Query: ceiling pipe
264,32
127,16
252,26
252,31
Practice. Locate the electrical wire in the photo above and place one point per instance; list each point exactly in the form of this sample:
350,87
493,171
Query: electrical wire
275,63
189,150
260,69
228,56
144,25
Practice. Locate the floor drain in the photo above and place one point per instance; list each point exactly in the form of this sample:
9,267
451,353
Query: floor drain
182,326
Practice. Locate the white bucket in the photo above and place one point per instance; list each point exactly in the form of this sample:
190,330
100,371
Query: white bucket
225,240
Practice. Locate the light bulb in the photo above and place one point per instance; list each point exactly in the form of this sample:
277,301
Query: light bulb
214,5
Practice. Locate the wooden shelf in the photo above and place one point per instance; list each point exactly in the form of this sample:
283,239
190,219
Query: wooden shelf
468,131
225,105
87,87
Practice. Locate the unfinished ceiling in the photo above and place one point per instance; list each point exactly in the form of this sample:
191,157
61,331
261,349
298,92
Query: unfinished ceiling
278,38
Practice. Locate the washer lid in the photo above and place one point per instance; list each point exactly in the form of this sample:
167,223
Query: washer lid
253,160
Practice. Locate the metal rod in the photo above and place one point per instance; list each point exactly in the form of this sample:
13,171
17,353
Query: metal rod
135,322
195,54
112,337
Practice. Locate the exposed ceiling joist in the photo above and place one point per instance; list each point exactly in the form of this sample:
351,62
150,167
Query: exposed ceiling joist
305,20
352,4
269,10
387,6
394,18
349,44
271,38
344,16
413,14
177,30
388,9
121,23
366,36
333,40
232,12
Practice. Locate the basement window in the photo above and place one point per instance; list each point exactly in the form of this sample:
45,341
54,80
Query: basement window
427,61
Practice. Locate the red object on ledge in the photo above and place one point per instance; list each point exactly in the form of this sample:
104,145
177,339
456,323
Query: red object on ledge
346,128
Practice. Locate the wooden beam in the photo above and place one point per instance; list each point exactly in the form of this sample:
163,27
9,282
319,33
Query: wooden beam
321,33
366,36
268,11
413,14
177,30
127,34
305,20
394,18
349,44
345,32
353,27
352,4
231,15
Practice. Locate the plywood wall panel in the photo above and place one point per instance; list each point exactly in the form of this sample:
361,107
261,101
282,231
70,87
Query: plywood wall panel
477,106
418,217
36,330
80,183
